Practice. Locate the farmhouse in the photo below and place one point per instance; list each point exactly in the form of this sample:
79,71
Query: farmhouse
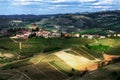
102,37
87,36
109,35
20,36
118,35
43,33
76,35
55,35
66,35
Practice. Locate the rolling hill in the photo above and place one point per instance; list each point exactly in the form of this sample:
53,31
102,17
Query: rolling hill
109,20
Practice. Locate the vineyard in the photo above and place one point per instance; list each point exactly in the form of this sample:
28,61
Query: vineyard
56,64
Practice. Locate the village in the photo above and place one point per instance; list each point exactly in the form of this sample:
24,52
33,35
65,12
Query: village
36,31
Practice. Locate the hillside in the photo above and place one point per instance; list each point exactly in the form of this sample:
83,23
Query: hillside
69,22
74,22
110,72
55,58
109,20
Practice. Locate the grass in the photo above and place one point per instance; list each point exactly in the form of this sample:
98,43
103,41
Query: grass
37,45
108,45
114,50
15,64
7,51
83,52
32,72
63,67
90,31
6,60
50,71
58,63
94,53
8,44
5,75
33,46
72,52
107,42
101,48
110,72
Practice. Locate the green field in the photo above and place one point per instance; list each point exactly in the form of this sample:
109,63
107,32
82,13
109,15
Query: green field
15,64
93,31
32,46
37,45
82,52
109,46
114,50
42,63
107,41
110,72
95,53
63,67
100,48
8,45
58,63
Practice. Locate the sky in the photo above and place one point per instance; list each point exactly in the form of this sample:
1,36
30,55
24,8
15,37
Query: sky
40,7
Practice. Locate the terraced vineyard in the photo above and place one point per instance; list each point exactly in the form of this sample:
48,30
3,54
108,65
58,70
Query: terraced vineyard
54,65
51,72
40,71
114,50
83,52
96,54
59,64
77,62
32,72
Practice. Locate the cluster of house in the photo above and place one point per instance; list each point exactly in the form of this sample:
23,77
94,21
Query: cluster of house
42,33
116,35
45,34
26,33
89,36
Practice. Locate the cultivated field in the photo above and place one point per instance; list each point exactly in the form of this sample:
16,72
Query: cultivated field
46,60
110,72
58,63
76,61
12,75
42,71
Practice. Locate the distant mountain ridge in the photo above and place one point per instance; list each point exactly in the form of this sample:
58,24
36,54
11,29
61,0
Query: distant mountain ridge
104,19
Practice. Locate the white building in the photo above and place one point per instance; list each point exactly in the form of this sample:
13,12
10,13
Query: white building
76,35
102,37
55,35
87,36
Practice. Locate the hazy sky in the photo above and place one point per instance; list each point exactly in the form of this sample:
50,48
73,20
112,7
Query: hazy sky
56,6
